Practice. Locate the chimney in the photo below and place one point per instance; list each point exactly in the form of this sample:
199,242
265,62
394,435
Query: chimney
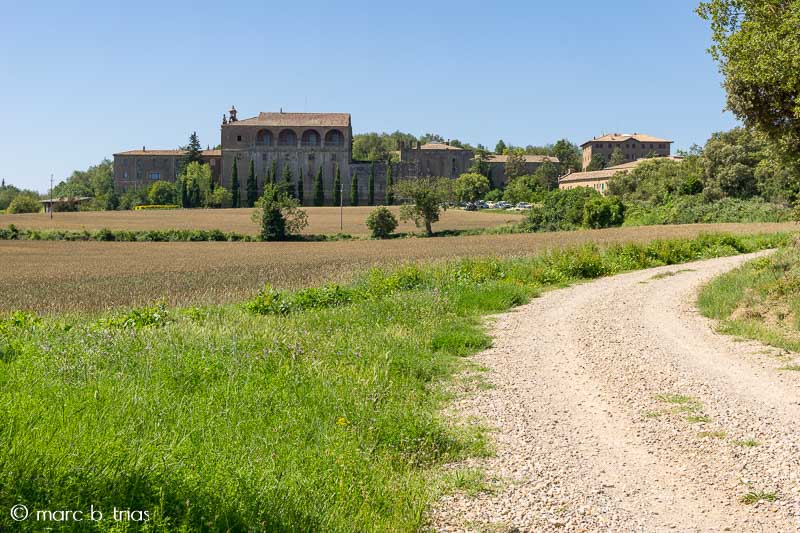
144,149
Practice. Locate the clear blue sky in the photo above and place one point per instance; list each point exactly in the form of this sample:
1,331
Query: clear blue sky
82,80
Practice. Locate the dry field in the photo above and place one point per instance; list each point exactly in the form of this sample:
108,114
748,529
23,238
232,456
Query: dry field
55,276
322,220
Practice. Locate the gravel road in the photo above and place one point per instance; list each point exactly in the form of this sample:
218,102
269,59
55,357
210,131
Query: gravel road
616,407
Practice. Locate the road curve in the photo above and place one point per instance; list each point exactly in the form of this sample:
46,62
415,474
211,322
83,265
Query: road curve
615,406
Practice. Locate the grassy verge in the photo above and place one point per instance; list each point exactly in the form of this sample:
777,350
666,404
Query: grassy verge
312,410
760,300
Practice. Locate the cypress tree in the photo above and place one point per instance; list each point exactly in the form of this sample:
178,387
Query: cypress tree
273,173
319,192
287,177
337,187
235,192
182,191
300,195
371,185
354,189
252,191
389,184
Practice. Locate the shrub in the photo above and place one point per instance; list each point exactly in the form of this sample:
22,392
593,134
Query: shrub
24,203
278,214
381,222
603,212
162,193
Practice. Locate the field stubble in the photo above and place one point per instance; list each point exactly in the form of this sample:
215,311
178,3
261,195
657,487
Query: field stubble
55,276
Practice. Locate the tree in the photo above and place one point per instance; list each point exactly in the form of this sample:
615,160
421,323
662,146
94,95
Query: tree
431,138
500,148
515,165
219,197
24,203
547,175
161,193
300,191
471,187
287,178
730,159
600,212
278,215
337,187
319,191
480,162
196,178
389,185
756,44
522,189
598,162
193,151
236,193
371,185
617,157
273,172
251,187
354,189
381,222
181,197
568,154
428,197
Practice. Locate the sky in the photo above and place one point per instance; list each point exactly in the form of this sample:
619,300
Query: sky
80,81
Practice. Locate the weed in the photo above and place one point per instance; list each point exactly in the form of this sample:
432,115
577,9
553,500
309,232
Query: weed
757,496
747,443
711,434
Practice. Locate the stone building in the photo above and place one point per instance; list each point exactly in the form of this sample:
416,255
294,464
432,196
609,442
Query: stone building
436,159
598,179
497,166
139,168
633,146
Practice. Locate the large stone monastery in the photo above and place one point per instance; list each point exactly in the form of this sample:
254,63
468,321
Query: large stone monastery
305,142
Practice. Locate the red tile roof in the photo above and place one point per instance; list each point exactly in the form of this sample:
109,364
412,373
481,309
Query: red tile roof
338,120
621,137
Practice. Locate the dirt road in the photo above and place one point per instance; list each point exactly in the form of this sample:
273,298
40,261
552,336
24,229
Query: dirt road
616,407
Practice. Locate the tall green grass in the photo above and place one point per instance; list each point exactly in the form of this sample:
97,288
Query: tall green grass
760,300
314,410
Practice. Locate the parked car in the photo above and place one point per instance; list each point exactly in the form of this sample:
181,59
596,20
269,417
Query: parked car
470,206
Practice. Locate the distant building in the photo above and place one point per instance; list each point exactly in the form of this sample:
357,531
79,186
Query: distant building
497,166
139,168
633,146
598,179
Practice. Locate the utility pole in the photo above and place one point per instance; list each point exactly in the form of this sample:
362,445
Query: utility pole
341,206
51,197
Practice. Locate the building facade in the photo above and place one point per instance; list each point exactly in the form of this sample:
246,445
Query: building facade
139,168
633,146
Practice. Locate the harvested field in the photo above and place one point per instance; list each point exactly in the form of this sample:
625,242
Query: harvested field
322,220
55,276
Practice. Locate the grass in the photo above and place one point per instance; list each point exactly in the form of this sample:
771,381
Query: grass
759,300
671,273
317,409
322,220
755,496
747,443
52,277
712,434
791,368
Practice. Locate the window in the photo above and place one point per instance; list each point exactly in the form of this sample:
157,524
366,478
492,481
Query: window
334,138
264,138
125,174
310,138
333,157
238,138
263,157
155,175
287,138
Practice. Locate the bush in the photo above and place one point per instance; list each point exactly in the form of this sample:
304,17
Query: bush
560,210
24,203
603,212
162,193
381,222
278,214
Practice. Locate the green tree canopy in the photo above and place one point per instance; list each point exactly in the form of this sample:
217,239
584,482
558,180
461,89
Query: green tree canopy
470,187
162,193
278,215
515,165
424,199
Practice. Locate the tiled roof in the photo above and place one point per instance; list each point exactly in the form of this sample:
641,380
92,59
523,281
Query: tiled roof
528,158
610,171
161,153
440,146
621,137
340,120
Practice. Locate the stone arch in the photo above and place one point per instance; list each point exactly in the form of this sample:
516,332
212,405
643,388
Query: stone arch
287,137
310,138
334,138
264,138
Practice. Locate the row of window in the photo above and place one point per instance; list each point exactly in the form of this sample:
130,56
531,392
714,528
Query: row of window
632,145
288,137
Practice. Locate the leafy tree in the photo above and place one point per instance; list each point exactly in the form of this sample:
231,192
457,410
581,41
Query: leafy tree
278,215
515,165
371,185
471,187
756,44
236,193
96,182
219,197
500,148
431,138
480,162
559,210
287,178
547,175
162,193
354,189
133,197
730,162
428,197
337,187
193,150
598,162
522,189
600,212
381,223
319,192
24,203
196,178
251,187
300,191
659,180
9,192
379,146
617,157
389,185
569,155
